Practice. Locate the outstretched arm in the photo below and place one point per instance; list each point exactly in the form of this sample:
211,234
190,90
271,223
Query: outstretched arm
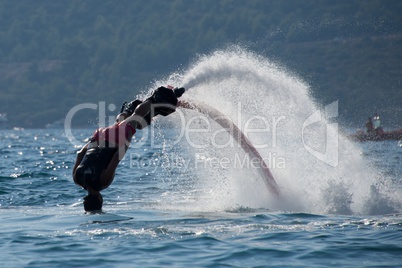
136,120
163,101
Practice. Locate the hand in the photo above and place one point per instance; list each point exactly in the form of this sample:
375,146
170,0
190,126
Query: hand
163,95
178,92
164,100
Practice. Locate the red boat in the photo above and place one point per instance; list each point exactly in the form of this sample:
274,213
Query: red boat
377,136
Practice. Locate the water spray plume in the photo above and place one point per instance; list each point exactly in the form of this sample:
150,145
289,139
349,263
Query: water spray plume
316,169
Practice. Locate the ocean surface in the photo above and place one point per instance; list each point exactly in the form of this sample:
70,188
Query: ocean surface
186,195
149,221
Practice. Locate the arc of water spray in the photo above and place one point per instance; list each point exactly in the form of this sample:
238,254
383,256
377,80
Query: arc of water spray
239,136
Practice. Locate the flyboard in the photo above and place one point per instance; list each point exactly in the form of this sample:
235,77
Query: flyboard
104,217
239,136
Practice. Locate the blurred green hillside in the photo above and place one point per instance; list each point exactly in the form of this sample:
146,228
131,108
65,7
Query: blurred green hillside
57,54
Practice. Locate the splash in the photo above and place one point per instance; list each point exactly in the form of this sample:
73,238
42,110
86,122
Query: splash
316,168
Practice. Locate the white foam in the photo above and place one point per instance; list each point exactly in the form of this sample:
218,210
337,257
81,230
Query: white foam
321,171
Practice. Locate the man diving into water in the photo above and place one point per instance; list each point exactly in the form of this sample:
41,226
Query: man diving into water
97,161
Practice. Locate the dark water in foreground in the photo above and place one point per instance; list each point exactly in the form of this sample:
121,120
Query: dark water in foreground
151,218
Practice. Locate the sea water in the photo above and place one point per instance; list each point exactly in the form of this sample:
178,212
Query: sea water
187,194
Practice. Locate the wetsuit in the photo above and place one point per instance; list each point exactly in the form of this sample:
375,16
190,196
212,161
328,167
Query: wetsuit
97,158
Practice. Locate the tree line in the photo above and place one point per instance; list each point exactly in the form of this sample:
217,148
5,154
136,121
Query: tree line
56,54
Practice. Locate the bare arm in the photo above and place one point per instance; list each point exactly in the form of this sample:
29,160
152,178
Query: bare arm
80,156
107,175
137,118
